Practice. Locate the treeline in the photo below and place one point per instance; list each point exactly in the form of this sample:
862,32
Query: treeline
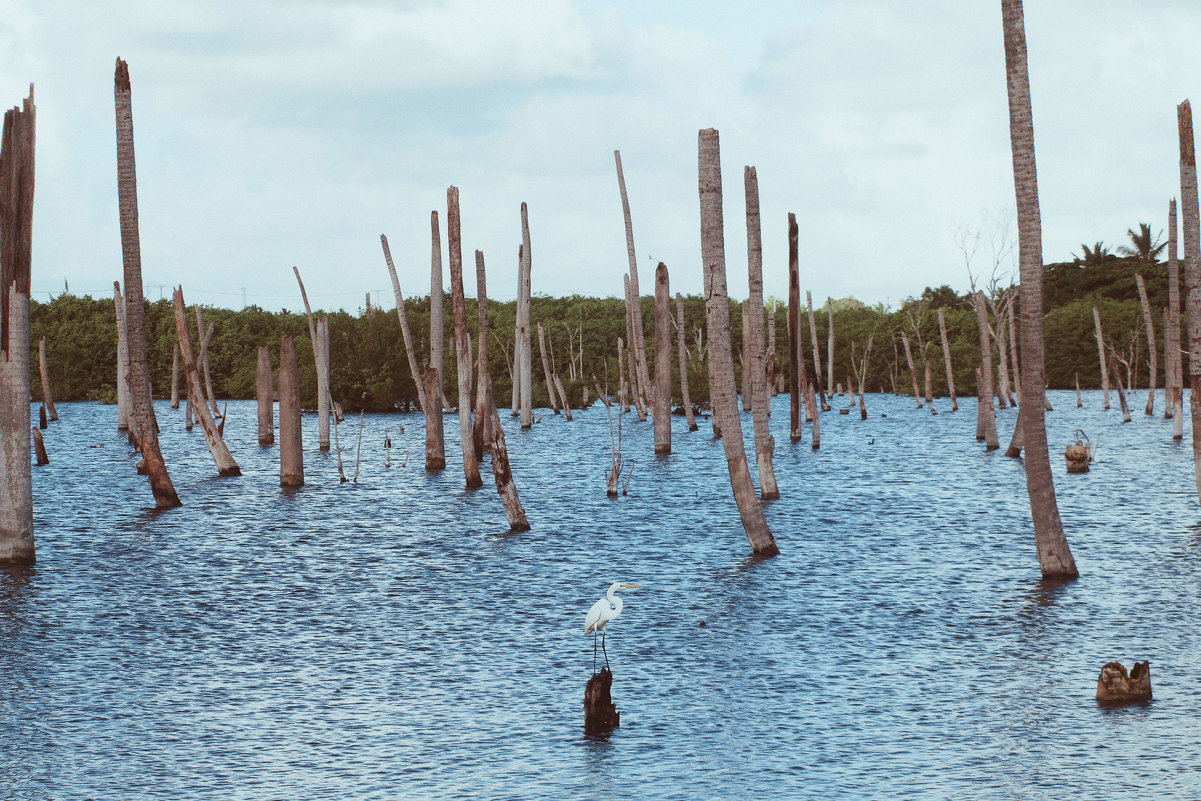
369,368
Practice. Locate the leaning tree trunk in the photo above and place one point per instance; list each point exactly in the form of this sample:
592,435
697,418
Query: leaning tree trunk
436,315
47,395
322,374
721,362
639,395
1101,355
17,147
662,396
642,382
1054,555
405,333
143,422
765,444
203,363
264,394
501,471
986,423
685,396
523,316
1117,375
550,387
1176,358
291,449
817,359
946,356
226,466
1152,350
471,468
1192,273
480,438
794,324
123,400
917,394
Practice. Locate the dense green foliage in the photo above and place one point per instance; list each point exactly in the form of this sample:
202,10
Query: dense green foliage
368,357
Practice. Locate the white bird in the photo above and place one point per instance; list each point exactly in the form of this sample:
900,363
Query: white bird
601,613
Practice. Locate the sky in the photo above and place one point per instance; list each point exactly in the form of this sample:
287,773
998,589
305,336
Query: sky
279,133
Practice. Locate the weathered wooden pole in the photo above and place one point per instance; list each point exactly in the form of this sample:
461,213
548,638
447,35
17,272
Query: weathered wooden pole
637,344
471,468
765,443
1101,355
946,356
322,375
47,395
501,470
17,146
481,439
1152,349
721,363
527,350
550,387
794,342
405,333
291,449
226,466
917,395
685,396
437,337
1168,382
1054,555
435,450
662,394
986,422
264,392
1191,236
143,421
175,376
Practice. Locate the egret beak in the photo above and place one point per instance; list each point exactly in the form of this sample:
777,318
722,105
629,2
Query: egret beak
631,586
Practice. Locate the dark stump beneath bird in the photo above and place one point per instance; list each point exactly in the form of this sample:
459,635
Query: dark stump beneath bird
600,714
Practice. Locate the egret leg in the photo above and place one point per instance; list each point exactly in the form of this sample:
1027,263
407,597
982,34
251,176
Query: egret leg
594,653
604,650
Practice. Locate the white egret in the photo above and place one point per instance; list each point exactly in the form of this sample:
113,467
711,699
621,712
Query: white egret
601,613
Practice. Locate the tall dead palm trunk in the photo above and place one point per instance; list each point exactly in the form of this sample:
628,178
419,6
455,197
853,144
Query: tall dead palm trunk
175,376
1054,555
639,396
721,363
1101,355
662,395
144,423
830,344
481,439
765,444
1152,350
471,468
642,380
685,396
436,315
523,316
17,146
405,333
986,422
946,356
794,323
226,466
1175,357
1190,223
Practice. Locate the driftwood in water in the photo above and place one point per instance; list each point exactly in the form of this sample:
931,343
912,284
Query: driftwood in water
986,422
405,333
143,420
550,388
175,377
1115,686
123,401
662,394
435,451
637,343
291,450
685,396
264,392
721,365
795,361
526,375
1101,355
39,447
226,466
765,444
471,468
322,369
500,468
47,395
600,714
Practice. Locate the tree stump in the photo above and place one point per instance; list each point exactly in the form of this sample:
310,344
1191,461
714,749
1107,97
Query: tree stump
1114,686
39,447
600,714
1078,454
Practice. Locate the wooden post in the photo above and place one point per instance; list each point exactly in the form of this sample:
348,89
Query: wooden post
143,421
264,393
986,423
291,449
226,466
47,395
642,381
437,337
550,387
1101,356
322,375
405,333
523,311
721,365
946,355
1152,349
662,395
765,443
471,469
435,452
500,467
794,324
17,147
481,439
1192,272
685,397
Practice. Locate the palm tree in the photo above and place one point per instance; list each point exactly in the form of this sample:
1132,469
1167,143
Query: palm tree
1098,256
1054,555
1145,249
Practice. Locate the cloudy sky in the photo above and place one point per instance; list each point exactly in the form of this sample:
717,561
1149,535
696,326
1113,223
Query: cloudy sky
273,133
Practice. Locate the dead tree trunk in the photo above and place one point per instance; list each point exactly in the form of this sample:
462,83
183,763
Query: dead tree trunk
682,351
1117,375
480,436
1192,272
817,359
124,410
527,350
517,353
501,470
405,333
264,393
1176,358
765,444
600,714
662,394
226,466
770,354
47,395
829,343
917,394
986,423
435,450
1101,355
563,398
622,372
291,449
1013,354
744,358
471,469
17,145
203,362
322,377
175,377
1152,350
794,341
550,387
929,385
39,447
437,337
143,420
721,365
946,356
637,344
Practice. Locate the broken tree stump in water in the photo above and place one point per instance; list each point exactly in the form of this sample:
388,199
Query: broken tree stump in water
40,447
1078,454
600,714
1115,686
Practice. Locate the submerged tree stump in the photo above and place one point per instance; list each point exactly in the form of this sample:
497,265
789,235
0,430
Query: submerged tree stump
600,714
39,447
1077,454
1114,686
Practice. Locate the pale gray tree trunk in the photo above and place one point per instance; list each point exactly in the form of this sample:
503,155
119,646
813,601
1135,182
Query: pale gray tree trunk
324,401
437,337
1192,273
405,332
639,394
817,359
47,395
527,350
986,423
124,410
770,356
1054,555
1002,357
264,392
638,343
516,406
1101,355
322,375
471,469
226,466
291,449
721,364
1117,375
662,396
480,435
1152,349
765,444
203,364
744,358
143,420
622,391
563,398
685,396
946,356
795,361
1013,354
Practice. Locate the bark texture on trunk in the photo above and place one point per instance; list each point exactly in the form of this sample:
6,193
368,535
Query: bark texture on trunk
1054,555
1100,337
794,324
765,444
265,393
501,471
986,423
638,343
662,412
141,394
435,450
405,332
1191,236
523,317
817,359
203,363
638,393
1117,375
1176,357
43,370
175,377
685,397
471,468
829,343
437,337
1152,349
721,363
124,409
291,449
226,466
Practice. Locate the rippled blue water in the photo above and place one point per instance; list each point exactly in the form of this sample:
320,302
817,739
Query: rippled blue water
388,639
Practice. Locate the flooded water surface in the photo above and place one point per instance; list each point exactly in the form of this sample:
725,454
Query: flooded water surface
388,638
